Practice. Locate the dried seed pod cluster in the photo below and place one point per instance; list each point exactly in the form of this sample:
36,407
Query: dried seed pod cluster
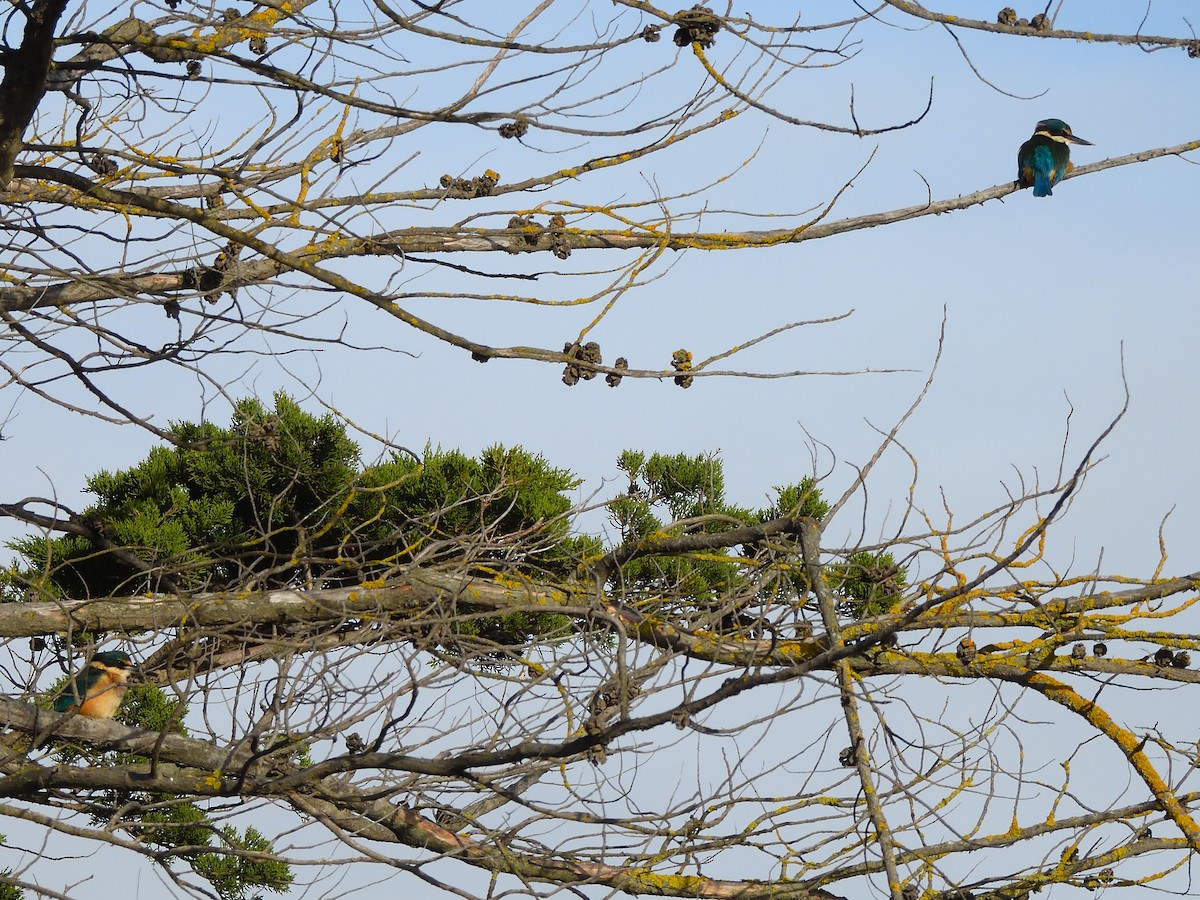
517,128
583,358
479,186
681,361
697,25
967,651
612,379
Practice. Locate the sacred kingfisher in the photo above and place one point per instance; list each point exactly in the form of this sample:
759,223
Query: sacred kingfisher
1045,158
97,690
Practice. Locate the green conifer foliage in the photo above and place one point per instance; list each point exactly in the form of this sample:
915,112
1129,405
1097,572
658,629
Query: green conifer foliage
280,498
868,584
670,496
224,506
450,504
233,877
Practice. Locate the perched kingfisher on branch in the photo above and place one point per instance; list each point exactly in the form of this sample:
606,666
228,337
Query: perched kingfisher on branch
97,690
1045,158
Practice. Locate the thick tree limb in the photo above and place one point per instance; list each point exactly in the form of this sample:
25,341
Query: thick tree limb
24,82
454,240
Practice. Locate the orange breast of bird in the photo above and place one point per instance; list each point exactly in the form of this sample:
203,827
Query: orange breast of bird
105,697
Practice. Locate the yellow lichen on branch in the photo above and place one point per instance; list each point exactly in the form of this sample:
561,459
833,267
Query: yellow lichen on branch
1130,745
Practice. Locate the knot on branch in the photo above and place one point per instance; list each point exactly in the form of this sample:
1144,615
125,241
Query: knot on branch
697,25
681,361
583,358
612,379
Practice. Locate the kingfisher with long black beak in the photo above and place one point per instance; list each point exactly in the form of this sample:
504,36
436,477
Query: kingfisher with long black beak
1045,158
98,689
